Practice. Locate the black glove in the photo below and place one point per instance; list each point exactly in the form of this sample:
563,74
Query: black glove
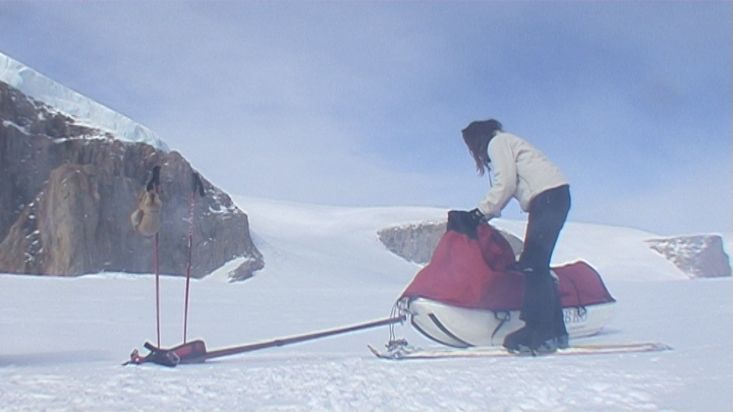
465,222
477,215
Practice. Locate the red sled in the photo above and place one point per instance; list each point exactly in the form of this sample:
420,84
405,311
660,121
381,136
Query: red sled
468,295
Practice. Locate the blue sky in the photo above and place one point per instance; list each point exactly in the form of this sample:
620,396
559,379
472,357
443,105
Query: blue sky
362,103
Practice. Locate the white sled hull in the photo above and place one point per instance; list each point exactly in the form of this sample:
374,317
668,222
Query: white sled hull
462,327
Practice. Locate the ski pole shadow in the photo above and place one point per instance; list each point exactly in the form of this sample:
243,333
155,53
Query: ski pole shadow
53,358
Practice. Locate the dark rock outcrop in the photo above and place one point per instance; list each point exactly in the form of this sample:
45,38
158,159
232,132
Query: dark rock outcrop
413,242
416,242
700,256
67,192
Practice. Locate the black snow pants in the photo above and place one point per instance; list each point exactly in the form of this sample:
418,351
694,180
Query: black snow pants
541,301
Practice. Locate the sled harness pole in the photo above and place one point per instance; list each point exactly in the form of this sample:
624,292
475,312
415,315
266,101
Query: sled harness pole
197,188
300,338
196,352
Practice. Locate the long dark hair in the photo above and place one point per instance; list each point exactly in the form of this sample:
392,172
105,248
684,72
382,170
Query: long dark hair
477,136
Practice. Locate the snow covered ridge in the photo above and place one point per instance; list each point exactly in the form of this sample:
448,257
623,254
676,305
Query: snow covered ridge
84,110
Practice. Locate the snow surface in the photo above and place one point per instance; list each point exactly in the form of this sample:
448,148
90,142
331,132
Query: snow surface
86,112
63,339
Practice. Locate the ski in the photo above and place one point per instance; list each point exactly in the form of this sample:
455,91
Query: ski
403,352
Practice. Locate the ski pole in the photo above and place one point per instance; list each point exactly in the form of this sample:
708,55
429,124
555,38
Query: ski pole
154,184
157,287
197,188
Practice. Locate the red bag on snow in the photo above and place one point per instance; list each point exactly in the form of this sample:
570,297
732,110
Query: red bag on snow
472,273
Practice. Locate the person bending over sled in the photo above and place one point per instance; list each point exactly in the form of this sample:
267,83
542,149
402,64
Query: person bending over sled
521,171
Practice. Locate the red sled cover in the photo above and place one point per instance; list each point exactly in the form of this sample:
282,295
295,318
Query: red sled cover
473,273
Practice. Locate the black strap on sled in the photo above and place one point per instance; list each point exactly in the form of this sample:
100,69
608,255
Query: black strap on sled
581,310
503,317
445,330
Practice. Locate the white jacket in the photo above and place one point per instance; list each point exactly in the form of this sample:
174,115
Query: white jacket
520,170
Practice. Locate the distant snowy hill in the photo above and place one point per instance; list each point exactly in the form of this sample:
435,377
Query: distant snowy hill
616,252
86,111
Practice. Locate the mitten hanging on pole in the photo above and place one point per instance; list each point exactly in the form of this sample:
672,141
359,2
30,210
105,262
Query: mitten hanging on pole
146,217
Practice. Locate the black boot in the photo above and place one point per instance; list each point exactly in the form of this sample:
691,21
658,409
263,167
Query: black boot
520,340
532,340
544,328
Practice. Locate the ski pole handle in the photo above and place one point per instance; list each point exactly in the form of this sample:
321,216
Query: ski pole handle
198,185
